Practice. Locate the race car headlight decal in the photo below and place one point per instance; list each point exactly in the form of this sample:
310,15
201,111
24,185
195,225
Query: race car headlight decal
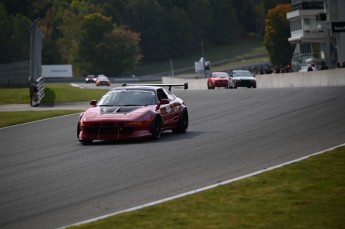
82,120
136,123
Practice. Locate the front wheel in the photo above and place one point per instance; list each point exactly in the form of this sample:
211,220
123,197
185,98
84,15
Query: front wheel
182,125
156,128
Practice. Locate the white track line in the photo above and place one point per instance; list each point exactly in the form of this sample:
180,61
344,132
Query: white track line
199,190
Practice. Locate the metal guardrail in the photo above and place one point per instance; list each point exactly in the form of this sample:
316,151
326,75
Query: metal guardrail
36,91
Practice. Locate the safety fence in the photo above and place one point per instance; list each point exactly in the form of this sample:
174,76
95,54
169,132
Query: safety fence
15,75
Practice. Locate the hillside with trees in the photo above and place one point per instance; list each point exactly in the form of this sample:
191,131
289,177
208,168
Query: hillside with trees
115,36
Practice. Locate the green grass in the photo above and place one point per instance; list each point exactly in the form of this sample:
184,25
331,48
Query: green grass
63,92
14,95
54,92
304,195
8,118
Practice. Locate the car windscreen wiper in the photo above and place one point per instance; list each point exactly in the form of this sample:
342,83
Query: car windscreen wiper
107,105
129,105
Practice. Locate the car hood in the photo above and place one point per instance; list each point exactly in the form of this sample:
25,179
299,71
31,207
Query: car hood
117,112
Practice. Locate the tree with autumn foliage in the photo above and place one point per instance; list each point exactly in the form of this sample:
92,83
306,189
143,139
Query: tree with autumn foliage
73,31
277,32
107,48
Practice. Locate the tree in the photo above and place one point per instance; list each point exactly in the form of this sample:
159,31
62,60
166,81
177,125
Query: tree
117,53
14,36
277,33
106,48
148,18
5,33
20,38
92,31
225,24
178,23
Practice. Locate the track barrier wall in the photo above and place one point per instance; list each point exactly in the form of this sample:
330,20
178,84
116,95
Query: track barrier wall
322,78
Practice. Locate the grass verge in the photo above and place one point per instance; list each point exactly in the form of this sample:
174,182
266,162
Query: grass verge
9,118
307,194
64,92
54,92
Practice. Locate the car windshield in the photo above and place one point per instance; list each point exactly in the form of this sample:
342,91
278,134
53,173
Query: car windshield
220,75
128,98
243,73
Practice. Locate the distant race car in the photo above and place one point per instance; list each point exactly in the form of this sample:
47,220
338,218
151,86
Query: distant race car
218,79
102,80
242,78
90,79
133,111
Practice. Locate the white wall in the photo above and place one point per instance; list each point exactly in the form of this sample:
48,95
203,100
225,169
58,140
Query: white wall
325,78
333,77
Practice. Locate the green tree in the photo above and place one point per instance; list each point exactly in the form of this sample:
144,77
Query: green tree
117,53
14,36
5,33
69,34
20,38
200,16
178,27
277,33
225,24
94,27
148,18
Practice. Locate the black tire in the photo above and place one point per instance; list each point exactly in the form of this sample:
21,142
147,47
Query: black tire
182,125
156,128
78,130
85,142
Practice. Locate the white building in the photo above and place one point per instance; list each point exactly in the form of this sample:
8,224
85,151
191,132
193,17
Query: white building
318,30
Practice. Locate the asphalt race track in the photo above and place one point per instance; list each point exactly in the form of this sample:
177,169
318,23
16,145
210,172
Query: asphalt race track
49,180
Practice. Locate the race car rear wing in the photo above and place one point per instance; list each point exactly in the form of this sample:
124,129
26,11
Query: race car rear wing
185,85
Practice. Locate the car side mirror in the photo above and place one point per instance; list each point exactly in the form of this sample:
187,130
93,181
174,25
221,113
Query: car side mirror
164,101
93,103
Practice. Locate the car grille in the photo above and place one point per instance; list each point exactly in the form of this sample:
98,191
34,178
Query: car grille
244,82
108,128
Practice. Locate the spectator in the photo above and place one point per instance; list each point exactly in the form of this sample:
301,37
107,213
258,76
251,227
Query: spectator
323,66
313,66
310,68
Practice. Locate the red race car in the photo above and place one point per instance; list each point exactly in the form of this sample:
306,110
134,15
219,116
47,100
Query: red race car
218,79
133,111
